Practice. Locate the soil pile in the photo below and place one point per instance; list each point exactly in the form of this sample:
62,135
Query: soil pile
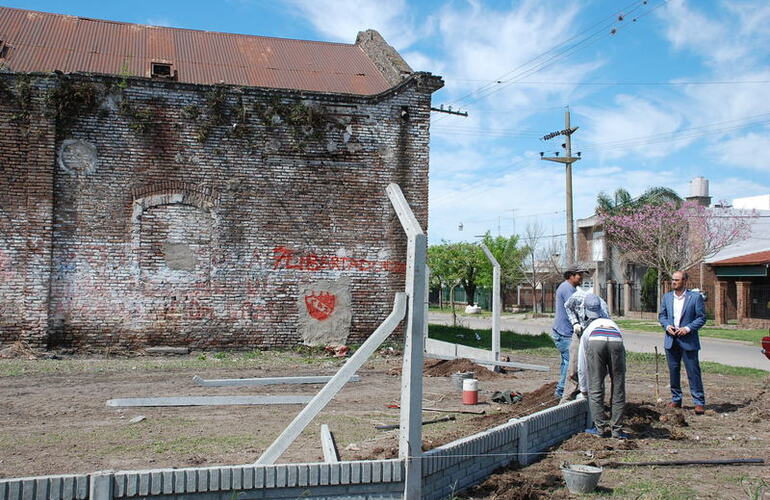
758,406
444,368
532,402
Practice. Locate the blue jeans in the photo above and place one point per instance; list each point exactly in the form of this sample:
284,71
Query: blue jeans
562,344
674,357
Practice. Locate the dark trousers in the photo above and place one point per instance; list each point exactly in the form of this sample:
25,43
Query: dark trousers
674,357
605,357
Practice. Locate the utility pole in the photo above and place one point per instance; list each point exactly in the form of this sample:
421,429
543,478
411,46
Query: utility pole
568,160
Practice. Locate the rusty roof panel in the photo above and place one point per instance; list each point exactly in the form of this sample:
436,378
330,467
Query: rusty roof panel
45,42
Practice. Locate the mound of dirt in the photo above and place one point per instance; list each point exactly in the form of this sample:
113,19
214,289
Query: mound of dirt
532,402
511,484
758,406
444,368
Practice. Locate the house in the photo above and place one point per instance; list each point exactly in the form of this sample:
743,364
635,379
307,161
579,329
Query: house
738,274
164,186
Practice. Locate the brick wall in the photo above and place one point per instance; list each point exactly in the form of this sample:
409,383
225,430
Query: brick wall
161,213
26,180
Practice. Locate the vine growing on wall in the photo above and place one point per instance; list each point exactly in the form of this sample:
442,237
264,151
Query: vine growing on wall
70,100
19,95
304,121
141,120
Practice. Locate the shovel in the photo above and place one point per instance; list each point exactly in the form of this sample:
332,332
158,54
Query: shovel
657,379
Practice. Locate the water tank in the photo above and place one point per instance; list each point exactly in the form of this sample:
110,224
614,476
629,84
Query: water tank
699,187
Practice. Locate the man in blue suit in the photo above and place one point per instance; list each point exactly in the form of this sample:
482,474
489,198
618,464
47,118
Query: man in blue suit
682,314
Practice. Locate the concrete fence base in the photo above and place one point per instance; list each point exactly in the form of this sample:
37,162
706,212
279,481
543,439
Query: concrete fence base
445,470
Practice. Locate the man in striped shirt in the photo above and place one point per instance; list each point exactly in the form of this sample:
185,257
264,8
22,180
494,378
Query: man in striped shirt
602,352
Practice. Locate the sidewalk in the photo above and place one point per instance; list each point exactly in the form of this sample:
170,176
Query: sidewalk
728,352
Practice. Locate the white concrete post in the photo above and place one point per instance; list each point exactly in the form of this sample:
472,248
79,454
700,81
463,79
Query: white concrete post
410,429
495,302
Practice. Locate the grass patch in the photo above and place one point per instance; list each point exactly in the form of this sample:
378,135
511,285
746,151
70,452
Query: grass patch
655,490
706,366
460,311
542,345
22,367
710,330
482,339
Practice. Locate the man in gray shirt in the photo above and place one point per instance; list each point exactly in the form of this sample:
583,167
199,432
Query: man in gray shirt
578,318
562,327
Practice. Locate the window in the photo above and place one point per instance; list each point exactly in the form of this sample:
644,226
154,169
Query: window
162,70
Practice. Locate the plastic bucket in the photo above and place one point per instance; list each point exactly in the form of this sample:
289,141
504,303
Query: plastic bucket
581,478
457,379
470,391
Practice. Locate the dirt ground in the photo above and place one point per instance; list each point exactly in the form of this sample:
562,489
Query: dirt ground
54,420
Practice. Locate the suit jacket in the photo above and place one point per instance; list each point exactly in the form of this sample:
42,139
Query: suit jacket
693,317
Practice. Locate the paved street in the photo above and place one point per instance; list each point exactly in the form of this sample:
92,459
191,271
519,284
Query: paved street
728,352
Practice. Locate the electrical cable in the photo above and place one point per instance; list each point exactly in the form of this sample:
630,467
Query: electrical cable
561,52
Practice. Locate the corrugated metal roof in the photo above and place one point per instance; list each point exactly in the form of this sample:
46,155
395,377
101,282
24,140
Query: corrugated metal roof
745,260
41,42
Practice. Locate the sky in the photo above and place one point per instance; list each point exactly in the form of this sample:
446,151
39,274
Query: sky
662,91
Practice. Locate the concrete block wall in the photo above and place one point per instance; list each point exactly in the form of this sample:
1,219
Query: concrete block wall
362,480
447,469
460,464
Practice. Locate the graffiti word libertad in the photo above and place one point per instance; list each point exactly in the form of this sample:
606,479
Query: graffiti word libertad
286,258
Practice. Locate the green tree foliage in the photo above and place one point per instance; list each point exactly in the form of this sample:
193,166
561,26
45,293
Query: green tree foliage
510,256
453,264
621,199
650,290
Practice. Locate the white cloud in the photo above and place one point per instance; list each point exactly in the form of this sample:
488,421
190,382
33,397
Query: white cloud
729,188
730,38
158,21
745,151
341,20
634,126
483,45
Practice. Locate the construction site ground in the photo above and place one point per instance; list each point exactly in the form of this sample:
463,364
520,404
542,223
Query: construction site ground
54,420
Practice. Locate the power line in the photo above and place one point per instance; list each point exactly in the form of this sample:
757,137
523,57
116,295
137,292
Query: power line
485,91
556,47
628,84
687,133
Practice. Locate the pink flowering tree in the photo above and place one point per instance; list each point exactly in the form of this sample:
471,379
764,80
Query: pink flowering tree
670,236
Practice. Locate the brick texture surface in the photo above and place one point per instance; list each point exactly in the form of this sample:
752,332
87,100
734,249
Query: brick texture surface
203,211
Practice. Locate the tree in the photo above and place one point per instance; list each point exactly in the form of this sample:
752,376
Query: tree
622,200
671,237
453,264
533,273
510,256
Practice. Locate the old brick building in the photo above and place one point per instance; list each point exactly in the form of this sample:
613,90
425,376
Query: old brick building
162,186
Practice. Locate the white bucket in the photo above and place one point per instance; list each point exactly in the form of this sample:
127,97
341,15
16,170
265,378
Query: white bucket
470,391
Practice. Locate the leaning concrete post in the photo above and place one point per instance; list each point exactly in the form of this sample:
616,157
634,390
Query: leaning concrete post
320,400
495,302
410,436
